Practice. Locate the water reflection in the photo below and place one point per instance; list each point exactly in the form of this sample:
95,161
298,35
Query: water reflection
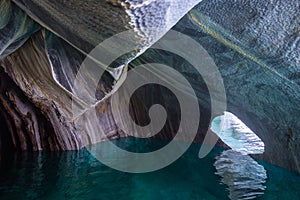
244,177
77,175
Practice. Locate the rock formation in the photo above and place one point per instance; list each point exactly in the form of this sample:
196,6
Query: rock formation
255,45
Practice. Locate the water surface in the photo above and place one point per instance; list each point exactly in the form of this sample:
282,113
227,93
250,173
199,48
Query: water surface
78,175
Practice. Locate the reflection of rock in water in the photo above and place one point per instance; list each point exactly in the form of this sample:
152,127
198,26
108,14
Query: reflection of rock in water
244,177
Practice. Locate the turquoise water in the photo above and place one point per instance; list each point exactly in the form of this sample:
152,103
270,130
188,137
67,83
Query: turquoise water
77,175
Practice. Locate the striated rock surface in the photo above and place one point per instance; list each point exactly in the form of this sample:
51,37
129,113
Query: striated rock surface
43,69
87,23
259,62
23,124
15,28
19,67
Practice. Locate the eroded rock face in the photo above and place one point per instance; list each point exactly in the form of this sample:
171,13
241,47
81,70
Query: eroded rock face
33,83
15,28
24,126
254,45
87,23
45,66
54,105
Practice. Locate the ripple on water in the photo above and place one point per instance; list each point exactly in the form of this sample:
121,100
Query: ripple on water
244,177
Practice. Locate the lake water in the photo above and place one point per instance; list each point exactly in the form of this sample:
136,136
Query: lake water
78,175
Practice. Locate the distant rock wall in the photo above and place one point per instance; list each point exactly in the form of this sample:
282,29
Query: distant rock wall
255,45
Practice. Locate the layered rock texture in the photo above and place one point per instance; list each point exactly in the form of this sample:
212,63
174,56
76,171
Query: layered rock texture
255,45
44,68
259,62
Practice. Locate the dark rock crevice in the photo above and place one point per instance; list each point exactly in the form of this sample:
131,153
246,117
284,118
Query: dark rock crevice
6,141
23,125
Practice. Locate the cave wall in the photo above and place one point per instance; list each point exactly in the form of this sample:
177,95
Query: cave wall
23,125
257,57
255,45
39,110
